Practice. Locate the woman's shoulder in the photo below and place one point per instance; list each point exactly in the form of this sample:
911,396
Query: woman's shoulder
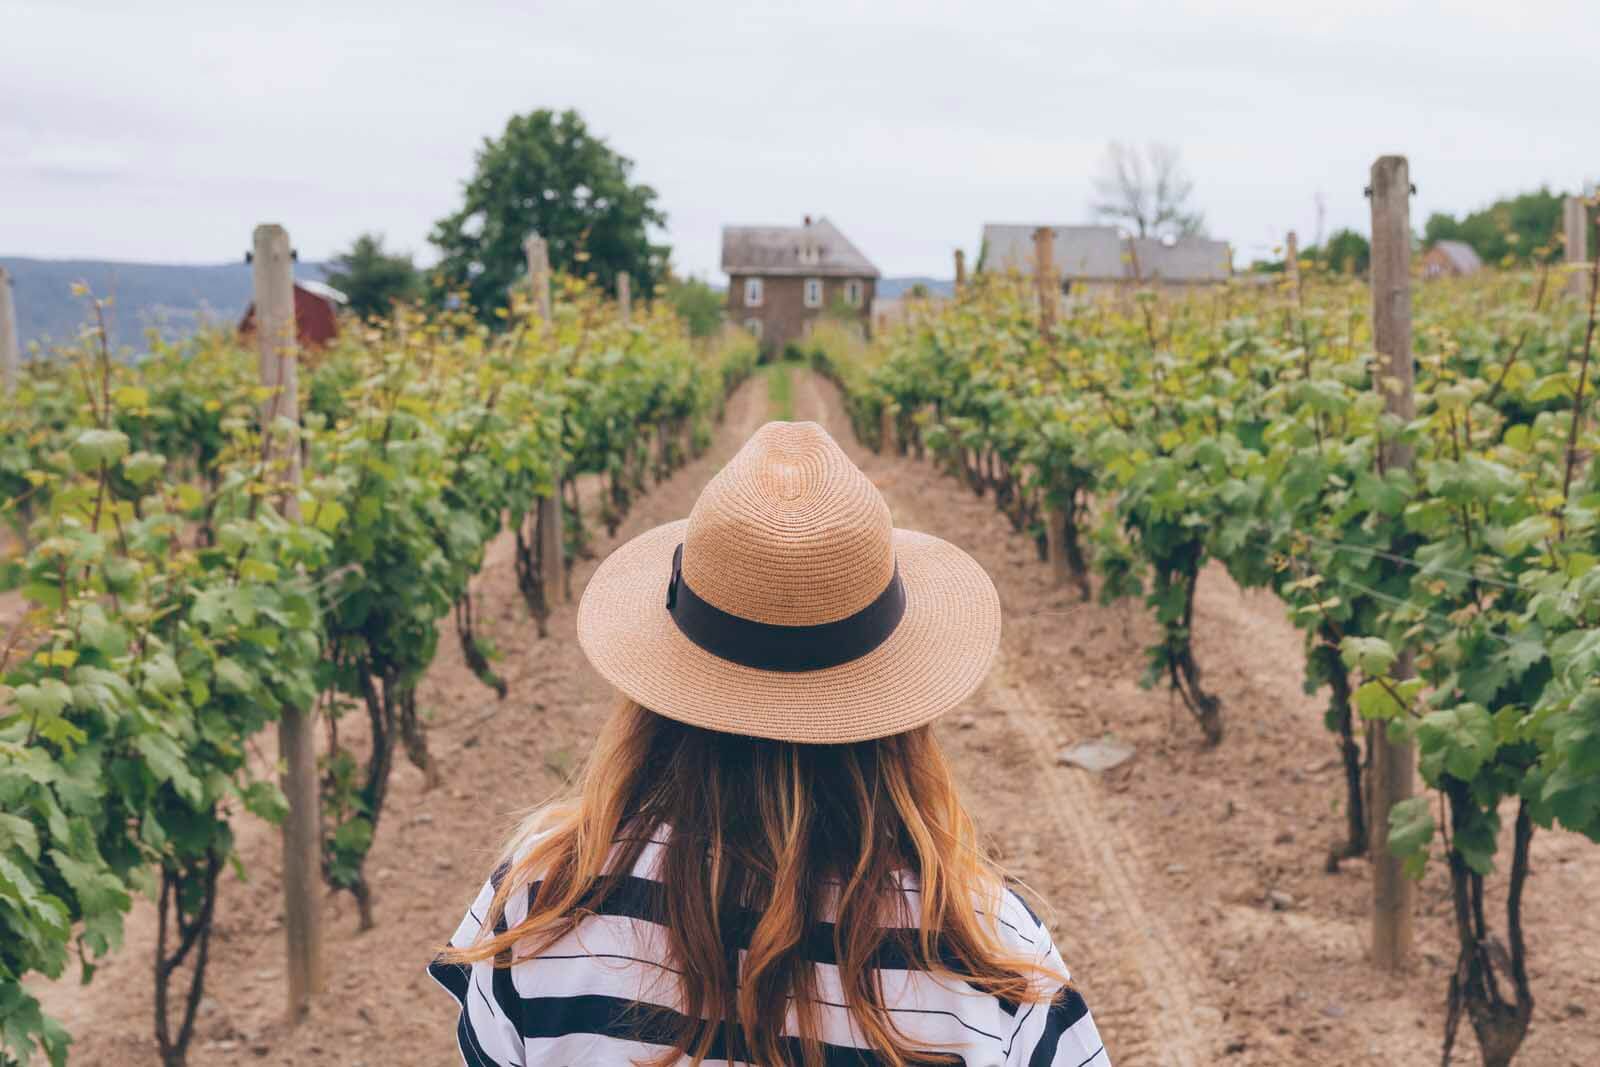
1019,926
1004,909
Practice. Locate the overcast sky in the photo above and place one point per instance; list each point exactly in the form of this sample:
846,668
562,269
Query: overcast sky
163,130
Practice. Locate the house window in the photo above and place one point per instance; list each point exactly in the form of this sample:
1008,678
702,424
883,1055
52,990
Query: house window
852,292
813,292
752,292
754,326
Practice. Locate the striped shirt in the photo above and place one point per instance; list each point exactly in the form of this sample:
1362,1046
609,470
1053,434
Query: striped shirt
578,1001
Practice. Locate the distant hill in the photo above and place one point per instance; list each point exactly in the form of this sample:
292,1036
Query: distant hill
172,299
895,288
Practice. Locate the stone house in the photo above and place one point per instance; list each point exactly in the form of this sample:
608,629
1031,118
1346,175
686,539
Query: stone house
781,279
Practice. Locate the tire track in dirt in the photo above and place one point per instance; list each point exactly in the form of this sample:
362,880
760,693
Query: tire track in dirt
1151,1018
1139,978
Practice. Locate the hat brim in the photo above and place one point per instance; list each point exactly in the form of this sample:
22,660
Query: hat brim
935,658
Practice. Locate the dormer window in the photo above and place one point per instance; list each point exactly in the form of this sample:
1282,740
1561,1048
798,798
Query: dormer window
809,255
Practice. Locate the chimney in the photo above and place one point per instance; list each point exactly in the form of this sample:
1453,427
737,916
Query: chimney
808,220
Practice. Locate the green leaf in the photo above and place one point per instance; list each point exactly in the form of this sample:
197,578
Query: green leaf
17,832
166,763
1373,656
329,515
258,570
354,836
94,447
264,800
130,396
161,674
233,677
1411,829
97,887
141,467
45,698
1375,700
1458,740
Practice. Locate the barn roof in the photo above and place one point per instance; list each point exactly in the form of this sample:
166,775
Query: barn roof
1187,259
1081,252
322,289
1462,256
813,248
1101,253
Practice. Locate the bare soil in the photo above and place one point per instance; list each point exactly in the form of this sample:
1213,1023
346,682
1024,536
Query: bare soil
1161,874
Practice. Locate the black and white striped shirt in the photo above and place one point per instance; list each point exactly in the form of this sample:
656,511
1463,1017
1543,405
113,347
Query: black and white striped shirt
577,1002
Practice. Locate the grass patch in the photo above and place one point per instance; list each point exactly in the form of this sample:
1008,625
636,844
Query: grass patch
780,391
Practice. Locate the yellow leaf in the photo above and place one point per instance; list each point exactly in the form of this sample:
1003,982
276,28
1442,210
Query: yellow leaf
131,396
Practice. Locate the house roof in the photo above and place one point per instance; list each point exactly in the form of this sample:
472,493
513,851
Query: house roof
1462,256
1101,253
1187,259
814,248
1081,252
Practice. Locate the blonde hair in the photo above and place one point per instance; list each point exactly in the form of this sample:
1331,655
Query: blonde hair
761,836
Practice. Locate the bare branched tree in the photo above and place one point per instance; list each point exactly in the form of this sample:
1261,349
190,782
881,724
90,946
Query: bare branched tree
1147,191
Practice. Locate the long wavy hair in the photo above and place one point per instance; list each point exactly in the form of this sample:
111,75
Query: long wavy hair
765,840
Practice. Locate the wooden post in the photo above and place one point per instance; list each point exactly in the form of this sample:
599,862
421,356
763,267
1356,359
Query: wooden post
10,348
886,432
1055,540
1044,270
961,270
552,536
297,744
1393,765
1291,258
1574,219
538,253
625,296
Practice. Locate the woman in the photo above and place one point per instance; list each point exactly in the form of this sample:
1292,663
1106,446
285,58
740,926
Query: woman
767,861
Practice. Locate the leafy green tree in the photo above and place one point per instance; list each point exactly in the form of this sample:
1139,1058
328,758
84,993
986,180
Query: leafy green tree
1516,228
547,174
373,278
1345,252
697,304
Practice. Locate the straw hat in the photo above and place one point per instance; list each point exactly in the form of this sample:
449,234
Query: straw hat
788,606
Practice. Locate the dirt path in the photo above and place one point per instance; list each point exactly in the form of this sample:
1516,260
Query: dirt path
1160,873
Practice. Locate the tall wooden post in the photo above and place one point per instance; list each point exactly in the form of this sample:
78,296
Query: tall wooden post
538,253
297,746
625,296
961,269
1291,258
1044,271
1574,226
10,348
552,536
1393,765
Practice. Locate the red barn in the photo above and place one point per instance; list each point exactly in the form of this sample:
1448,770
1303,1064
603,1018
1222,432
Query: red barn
316,314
